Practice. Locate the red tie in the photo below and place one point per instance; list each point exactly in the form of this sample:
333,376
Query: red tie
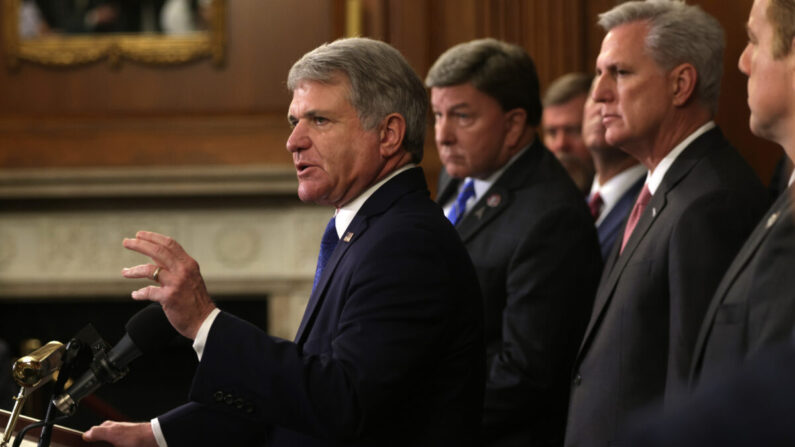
595,204
634,216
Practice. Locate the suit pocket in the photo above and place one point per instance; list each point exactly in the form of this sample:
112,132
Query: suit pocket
726,344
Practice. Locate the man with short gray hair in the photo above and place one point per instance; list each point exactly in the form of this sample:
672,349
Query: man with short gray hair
390,349
527,229
657,82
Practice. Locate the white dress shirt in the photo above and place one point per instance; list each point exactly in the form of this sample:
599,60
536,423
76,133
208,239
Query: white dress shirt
613,190
655,177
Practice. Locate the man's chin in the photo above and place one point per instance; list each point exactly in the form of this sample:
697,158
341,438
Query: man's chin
312,195
456,171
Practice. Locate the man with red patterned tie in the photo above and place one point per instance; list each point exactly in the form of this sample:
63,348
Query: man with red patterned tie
657,84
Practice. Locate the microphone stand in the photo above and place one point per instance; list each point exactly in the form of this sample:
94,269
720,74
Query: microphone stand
72,349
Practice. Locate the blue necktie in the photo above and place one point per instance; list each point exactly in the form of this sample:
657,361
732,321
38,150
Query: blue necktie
327,245
460,205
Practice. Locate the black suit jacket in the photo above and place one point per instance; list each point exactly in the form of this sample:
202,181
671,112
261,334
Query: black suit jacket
653,296
754,304
537,258
750,407
390,350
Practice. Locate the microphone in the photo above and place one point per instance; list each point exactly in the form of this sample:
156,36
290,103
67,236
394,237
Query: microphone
147,331
30,373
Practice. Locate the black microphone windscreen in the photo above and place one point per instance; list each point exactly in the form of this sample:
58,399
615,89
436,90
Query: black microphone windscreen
150,329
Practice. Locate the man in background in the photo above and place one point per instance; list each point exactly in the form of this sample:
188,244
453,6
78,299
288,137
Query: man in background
657,82
527,229
562,122
390,350
618,180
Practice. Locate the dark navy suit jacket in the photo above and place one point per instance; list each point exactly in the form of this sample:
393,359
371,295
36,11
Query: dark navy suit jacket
389,352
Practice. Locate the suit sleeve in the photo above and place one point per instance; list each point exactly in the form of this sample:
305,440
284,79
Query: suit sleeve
703,244
396,307
550,284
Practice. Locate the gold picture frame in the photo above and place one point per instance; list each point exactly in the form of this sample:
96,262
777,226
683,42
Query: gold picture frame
69,50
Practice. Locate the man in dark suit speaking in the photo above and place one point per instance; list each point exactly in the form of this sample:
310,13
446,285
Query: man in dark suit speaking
657,81
390,349
527,228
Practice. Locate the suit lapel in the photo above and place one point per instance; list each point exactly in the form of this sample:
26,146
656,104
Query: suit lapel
381,200
499,196
485,210
681,167
780,209
355,229
619,261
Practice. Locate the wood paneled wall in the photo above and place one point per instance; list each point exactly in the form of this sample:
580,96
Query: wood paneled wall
199,114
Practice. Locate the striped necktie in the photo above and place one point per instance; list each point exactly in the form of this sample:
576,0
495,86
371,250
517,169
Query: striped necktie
460,205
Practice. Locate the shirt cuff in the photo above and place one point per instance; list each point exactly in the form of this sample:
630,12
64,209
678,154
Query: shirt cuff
159,438
204,331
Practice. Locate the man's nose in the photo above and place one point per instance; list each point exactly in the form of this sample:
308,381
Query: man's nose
298,139
601,89
557,141
443,131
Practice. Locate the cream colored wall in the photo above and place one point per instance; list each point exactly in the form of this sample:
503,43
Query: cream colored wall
264,244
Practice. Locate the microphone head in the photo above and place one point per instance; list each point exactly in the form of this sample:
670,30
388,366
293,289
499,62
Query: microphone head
150,329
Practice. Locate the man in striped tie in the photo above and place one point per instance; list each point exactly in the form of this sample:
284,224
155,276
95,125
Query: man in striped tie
527,228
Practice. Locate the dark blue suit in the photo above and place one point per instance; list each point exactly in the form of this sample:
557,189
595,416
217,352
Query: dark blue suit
390,350
612,224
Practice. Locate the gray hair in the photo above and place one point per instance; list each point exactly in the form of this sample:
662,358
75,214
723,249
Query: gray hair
501,70
566,88
678,33
381,83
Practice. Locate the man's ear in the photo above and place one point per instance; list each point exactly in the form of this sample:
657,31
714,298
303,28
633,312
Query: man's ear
683,83
515,122
392,132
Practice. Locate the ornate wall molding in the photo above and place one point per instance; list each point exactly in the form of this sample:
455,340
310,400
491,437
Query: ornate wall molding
61,233
41,183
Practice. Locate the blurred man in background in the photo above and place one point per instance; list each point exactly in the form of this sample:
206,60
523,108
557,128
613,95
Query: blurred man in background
562,122
617,182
